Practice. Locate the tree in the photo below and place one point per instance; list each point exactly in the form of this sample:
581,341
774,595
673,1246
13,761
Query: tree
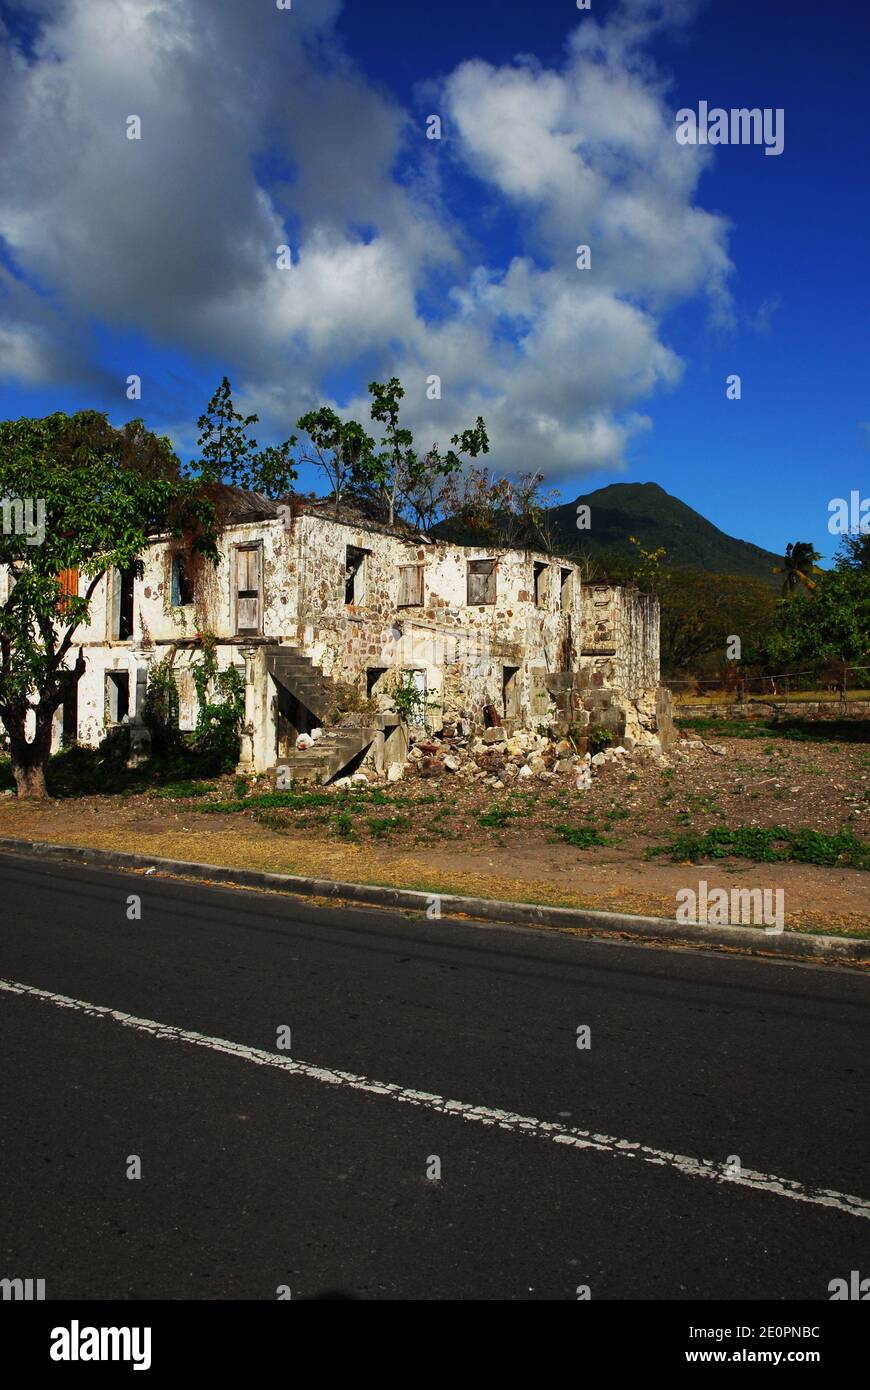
229,455
799,566
830,625
341,451
398,470
854,552
499,511
103,493
701,611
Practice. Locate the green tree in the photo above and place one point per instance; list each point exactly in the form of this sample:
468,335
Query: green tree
799,566
102,493
397,470
700,611
854,553
341,451
830,625
228,454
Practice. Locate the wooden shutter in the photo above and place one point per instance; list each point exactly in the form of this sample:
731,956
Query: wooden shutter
69,584
248,583
481,582
410,586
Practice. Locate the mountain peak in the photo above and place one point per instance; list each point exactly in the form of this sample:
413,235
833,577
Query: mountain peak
656,518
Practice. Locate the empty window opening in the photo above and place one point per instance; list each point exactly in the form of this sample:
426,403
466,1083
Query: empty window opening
181,583
481,582
540,586
249,595
355,577
70,716
122,592
410,586
117,696
510,686
566,589
374,676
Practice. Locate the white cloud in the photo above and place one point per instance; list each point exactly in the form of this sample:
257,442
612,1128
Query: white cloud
257,129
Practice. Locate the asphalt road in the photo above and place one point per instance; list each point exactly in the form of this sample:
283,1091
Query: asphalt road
255,1176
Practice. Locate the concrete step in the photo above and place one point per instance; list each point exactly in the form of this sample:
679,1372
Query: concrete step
330,755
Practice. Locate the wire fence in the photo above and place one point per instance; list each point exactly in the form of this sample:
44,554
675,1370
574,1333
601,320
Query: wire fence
832,682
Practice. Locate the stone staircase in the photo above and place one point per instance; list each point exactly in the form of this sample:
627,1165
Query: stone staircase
298,674
336,749
335,752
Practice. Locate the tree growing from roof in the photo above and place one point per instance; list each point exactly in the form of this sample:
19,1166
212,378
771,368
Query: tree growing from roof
103,494
397,469
228,454
392,477
500,511
341,451
799,566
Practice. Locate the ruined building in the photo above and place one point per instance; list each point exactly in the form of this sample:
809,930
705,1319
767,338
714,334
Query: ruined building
327,614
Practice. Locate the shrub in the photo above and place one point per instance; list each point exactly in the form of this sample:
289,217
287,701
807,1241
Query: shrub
411,703
599,739
160,708
221,697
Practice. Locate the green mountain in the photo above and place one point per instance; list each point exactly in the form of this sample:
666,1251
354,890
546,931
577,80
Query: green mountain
646,511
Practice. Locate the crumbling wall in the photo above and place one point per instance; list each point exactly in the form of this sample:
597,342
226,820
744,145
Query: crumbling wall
462,650
620,660
540,655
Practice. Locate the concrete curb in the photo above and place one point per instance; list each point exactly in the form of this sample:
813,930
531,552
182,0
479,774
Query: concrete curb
840,950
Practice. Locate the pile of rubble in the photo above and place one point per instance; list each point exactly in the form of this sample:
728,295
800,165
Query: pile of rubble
498,757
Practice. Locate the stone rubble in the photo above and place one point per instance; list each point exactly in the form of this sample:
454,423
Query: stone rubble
499,757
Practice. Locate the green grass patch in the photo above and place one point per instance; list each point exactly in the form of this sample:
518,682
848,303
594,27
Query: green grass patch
292,801
184,789
769,845
497,817
583,836
382,826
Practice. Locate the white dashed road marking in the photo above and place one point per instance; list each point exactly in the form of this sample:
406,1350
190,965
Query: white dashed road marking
477,1114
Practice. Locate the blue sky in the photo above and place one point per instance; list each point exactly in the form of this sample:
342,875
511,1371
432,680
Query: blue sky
454,257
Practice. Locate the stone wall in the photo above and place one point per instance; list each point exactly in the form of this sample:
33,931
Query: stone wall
776,709
466,654
545,650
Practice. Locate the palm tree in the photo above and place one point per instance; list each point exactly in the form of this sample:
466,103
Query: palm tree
799,566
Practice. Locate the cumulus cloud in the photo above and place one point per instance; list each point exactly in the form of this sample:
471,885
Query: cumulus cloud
258,130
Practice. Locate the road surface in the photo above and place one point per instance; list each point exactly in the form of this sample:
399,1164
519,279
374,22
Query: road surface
415,1048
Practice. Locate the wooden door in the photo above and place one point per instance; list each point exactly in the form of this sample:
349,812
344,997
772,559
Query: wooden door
248,588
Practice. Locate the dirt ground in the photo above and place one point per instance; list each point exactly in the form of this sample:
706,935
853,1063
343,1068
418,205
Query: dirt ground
426,834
